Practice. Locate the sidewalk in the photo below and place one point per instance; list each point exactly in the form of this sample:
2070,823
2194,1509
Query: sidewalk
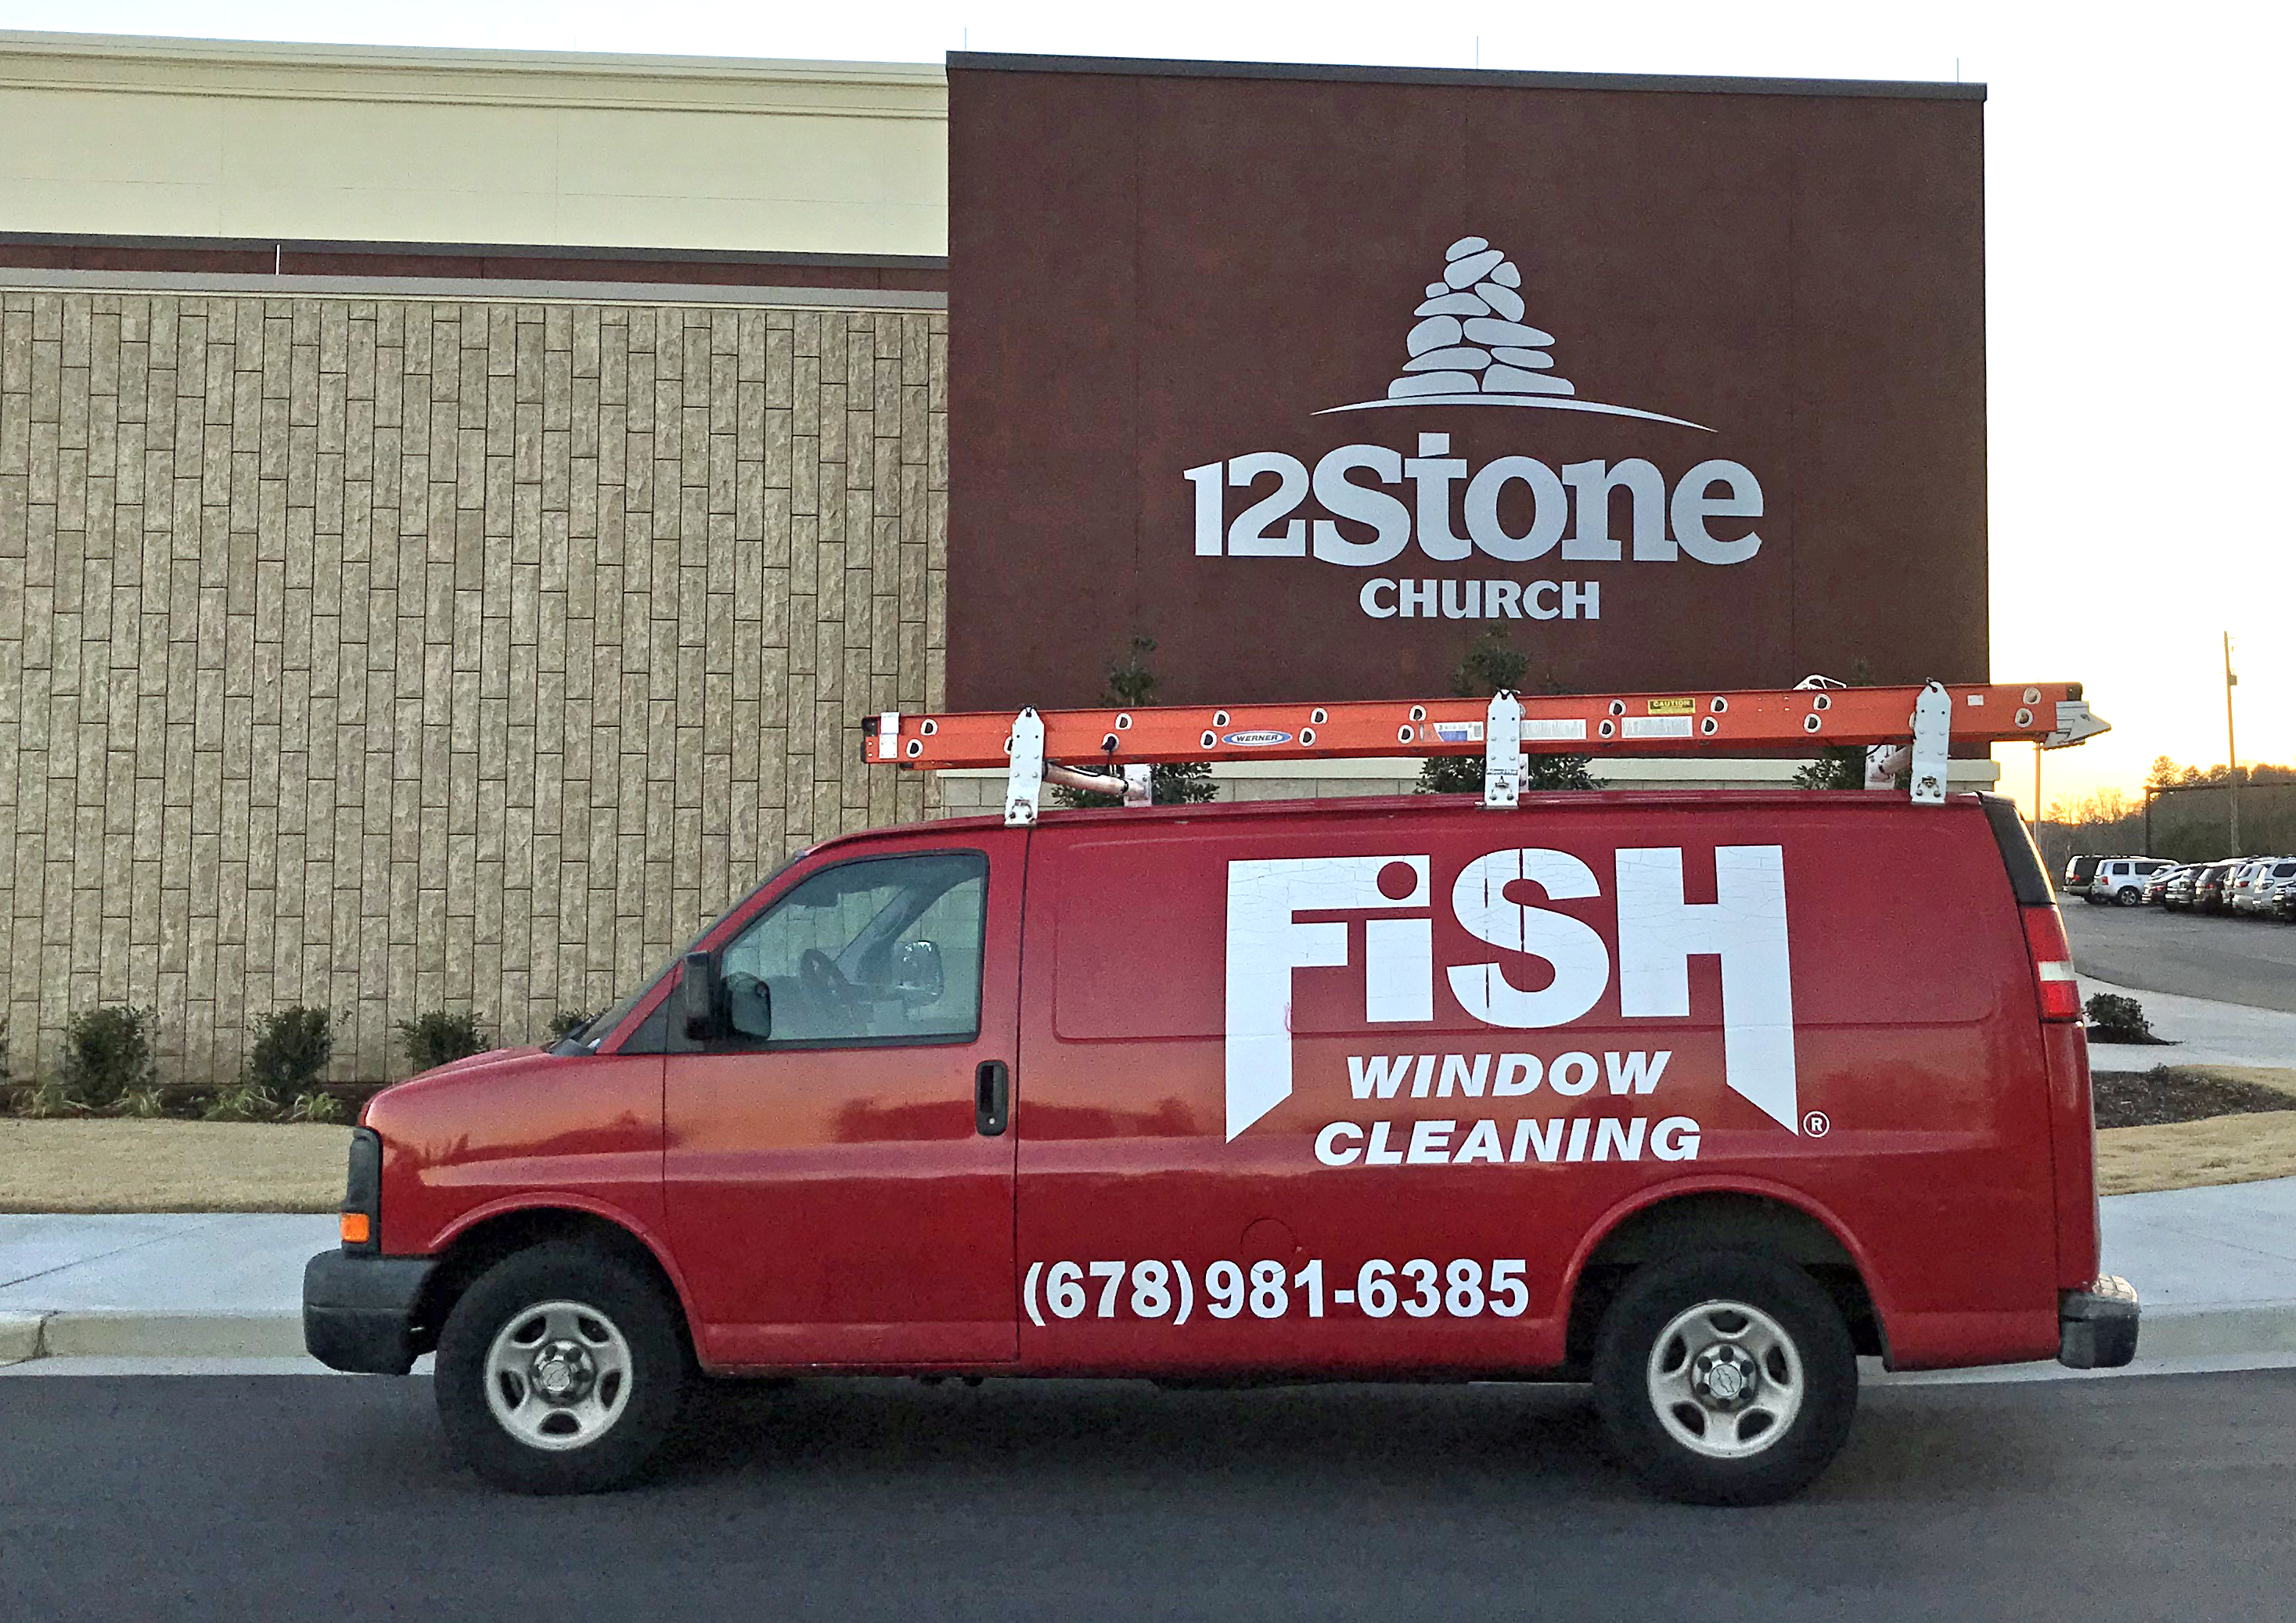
2200,1032
2215,1267
205,1285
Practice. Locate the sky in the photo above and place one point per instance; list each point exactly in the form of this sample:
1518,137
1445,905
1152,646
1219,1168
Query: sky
2140,338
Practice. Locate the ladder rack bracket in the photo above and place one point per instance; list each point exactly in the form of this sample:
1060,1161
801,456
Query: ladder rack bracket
1139,786
1026,749
1503,751
1932,733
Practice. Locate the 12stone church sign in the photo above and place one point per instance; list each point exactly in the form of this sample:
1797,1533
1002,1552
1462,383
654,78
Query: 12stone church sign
1315,374
1473,349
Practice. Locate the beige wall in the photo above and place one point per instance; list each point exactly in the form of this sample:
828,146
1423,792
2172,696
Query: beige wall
395,654
204,138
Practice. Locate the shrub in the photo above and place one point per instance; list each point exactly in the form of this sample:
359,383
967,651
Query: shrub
244,1101
108,1054
292,1048
2114,1019
315,1105
438,1036
566,1022
144,1103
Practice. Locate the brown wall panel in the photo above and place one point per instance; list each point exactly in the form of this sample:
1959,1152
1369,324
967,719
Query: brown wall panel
1156,272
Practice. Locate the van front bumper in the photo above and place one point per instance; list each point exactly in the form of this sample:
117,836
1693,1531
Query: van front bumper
2097,1326
358,1310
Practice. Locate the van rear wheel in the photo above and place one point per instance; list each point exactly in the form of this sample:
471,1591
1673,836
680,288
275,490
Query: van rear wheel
1725,1378
559,1371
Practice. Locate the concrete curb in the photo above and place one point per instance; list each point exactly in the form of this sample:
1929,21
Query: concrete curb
126,1334
2257,1330
19,1336
2201,1332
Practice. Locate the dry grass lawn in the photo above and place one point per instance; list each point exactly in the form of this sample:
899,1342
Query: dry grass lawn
2219,1150
170,1166
2189,1155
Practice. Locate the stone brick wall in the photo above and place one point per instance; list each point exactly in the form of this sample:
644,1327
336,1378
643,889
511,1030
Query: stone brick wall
395,654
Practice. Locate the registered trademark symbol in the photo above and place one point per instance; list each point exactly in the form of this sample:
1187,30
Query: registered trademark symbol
1816,1125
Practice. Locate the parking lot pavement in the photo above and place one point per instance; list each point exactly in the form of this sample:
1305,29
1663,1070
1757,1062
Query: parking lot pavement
252,1499
2207,956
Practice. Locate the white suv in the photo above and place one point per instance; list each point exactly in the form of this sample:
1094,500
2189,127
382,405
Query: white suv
2250,889
2120,880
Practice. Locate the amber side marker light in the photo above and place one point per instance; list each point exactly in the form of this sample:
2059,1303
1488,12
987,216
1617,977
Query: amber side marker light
358,1227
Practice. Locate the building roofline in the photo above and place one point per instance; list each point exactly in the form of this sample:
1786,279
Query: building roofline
258,68
298,54
1493,77
695,256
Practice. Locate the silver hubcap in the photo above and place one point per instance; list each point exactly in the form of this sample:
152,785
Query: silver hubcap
1726,1380
558,1375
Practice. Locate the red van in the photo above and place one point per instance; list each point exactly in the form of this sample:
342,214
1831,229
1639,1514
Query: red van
1693,1095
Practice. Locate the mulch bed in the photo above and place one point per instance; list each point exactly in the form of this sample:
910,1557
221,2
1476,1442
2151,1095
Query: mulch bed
2166,1095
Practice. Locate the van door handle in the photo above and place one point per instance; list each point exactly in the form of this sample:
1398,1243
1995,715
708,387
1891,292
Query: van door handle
992,1098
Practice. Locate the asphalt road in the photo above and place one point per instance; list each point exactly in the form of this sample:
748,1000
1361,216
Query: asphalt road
311,1497
2242,961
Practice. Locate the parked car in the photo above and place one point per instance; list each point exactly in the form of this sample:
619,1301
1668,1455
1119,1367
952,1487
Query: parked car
2250,890
2156,888
2284,901
2080,870
2121,880
2208,890
1204,1107
2178,891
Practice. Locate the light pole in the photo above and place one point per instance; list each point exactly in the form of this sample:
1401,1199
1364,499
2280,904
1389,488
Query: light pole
2232,752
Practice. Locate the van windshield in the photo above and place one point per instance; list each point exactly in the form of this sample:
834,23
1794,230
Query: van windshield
585,1038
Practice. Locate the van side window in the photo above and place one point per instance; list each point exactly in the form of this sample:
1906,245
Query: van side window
885,950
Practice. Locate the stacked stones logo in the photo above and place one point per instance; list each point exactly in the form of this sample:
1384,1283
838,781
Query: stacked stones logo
1472,346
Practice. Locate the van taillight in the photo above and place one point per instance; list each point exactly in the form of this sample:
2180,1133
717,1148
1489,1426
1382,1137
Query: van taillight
2053,964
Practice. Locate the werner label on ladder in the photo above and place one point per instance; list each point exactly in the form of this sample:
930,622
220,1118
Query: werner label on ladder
1111,751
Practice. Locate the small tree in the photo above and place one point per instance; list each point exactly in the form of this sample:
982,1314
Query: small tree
1491,663
1841,766
1131,685
1837,767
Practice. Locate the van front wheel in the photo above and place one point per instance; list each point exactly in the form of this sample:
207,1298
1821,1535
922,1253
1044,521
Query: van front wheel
1725,1379
559,1371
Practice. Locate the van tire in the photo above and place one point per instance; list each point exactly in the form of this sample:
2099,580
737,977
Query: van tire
1794,1330
606,1328
2129,896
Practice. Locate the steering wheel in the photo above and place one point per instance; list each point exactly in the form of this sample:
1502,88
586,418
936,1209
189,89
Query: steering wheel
820,975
